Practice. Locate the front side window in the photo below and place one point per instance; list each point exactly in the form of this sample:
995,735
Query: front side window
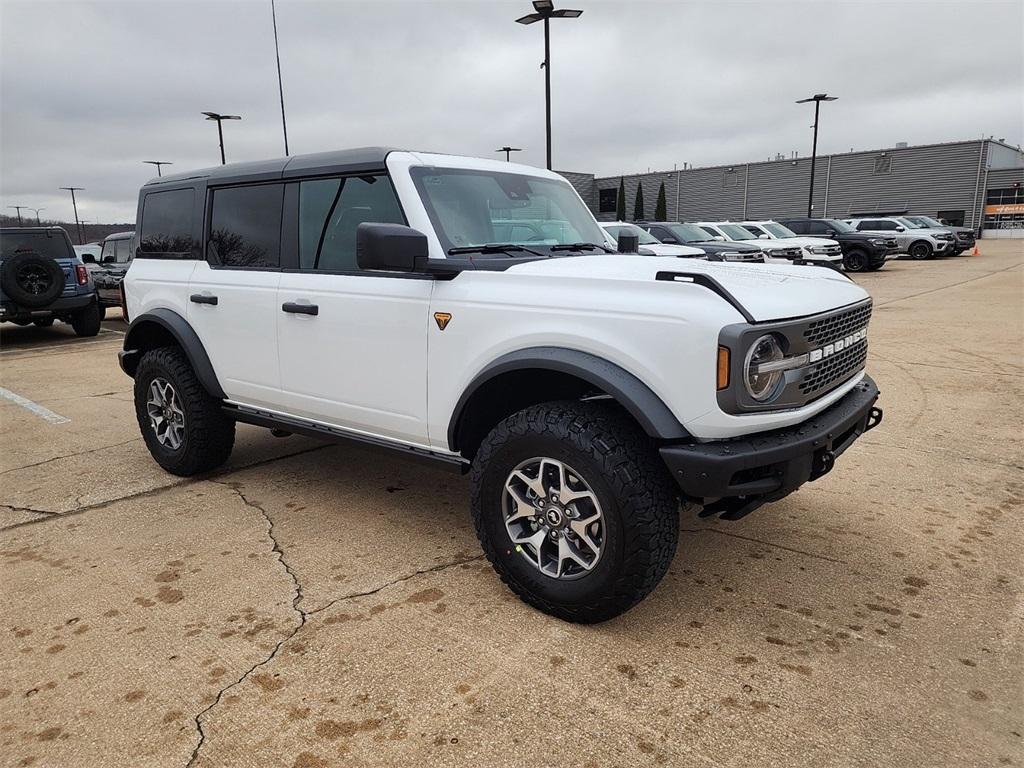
122,254
330,210
167,222
108,252
245,226
475,208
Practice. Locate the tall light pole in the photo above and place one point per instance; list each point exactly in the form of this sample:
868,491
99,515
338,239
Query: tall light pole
18,209
220,132
280,84
817,99
158,163
37,210
508,152
74,205
544,10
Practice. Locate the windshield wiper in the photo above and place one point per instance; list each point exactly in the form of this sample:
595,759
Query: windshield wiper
578,247
494,248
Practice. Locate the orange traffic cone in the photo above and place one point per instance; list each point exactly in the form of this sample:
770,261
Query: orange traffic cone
976,251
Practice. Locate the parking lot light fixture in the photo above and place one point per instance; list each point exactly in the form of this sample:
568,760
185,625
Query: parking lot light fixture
508,152
817,99
18,209
544,10
74,204
220,132
158,163
37,210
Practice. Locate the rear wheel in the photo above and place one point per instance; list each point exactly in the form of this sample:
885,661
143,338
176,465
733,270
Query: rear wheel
183,426
855,261
86,322
574,509
920,250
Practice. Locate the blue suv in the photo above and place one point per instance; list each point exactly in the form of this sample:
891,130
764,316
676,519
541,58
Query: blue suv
42,280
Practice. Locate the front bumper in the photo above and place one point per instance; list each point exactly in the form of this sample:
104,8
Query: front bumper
734,477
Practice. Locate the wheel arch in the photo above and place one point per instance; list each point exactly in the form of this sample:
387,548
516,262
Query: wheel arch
164,327
530,376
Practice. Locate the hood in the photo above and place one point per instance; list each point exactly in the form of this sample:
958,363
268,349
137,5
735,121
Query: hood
766,291
665,249
803,242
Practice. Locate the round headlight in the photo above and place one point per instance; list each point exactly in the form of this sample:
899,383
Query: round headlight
761,386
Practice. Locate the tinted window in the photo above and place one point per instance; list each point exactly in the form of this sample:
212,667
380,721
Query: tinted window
122,252
167,222
710,231
876,225
245,226
330,210
800,227
661,233
53,244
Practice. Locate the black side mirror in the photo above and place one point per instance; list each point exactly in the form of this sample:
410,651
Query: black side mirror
670,241
901,229
88,258
389,247
628,242
830,232
108,259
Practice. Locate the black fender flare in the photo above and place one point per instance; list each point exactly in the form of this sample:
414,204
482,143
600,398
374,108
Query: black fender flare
650,412
186,337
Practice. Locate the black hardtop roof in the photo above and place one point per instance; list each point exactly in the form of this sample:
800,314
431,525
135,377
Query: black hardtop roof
336,161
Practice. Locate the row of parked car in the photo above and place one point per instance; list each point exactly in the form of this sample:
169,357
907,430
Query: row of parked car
856,245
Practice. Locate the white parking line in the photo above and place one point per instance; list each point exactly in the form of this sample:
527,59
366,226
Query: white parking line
36,408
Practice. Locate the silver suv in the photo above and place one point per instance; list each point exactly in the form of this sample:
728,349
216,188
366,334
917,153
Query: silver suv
917,241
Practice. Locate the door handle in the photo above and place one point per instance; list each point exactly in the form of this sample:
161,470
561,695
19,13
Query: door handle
300,309
202,298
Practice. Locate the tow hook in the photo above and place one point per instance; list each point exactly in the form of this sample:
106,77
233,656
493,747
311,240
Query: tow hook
874,419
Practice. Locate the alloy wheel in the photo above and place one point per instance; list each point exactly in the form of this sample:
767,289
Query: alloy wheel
554,518
166,418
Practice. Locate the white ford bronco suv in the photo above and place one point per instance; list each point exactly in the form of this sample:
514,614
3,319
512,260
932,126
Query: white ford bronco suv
368,295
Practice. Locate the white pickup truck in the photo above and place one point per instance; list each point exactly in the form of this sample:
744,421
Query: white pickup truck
466,312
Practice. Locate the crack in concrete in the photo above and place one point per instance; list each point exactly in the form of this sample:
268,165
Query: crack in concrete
71,455
803,552
30,511
160,489
297,599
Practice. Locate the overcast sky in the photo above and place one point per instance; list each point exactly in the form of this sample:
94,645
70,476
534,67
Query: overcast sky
90,90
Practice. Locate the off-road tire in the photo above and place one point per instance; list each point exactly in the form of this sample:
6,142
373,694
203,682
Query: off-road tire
638,498
43,322
209,434
103,312
45,285
86,322
856,261
920,250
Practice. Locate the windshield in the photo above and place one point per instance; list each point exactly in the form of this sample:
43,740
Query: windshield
690,233
778,230
52,244
646,238
736,232
909,224
840,226
474,208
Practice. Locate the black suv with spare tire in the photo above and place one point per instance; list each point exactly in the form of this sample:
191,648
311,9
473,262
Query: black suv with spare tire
42,280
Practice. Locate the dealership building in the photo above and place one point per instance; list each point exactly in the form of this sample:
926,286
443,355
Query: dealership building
975,183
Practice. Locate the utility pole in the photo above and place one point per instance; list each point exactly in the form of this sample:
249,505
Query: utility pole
280,83
157,163
508,152
544,10
817,99
220,133
74,204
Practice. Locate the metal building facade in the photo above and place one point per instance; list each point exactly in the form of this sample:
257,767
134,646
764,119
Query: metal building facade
946,179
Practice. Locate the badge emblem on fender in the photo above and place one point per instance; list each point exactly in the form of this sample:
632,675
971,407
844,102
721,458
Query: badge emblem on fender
442,319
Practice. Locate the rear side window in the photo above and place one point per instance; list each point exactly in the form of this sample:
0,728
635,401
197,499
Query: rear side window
801,227
245,226
122,253
330,210
878,225
167,223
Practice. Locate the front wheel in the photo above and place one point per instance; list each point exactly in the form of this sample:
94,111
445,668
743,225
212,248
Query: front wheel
855,261
574,509
920,251
183,426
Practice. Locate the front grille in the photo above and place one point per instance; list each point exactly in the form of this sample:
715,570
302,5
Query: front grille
832,249
838,325
832,371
